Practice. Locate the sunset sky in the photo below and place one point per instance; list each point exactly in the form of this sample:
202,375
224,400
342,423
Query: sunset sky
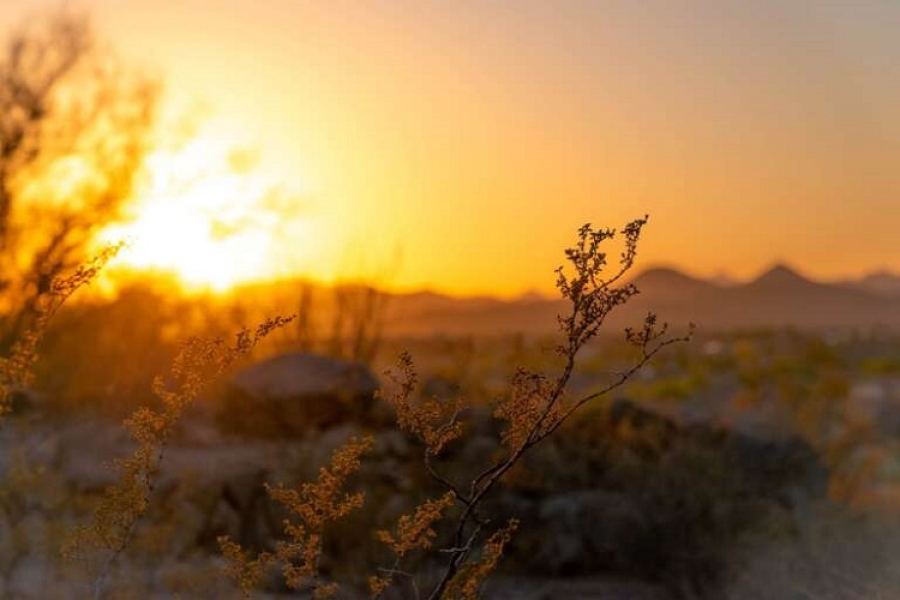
458,145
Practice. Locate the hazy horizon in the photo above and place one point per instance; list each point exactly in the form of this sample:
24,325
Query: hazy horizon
458,148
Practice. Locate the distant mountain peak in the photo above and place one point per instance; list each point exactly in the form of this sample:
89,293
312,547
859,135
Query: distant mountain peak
781,274
663,271
667,275
667,280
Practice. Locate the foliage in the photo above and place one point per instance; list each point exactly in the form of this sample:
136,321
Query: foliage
74,128
535,407
16,370
117,516
415,531
314,505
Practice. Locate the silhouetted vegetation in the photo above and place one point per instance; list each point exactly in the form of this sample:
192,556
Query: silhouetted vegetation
74,129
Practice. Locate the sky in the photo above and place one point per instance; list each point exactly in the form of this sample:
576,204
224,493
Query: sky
458,146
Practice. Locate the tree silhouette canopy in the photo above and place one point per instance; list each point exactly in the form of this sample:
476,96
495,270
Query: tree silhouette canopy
75,126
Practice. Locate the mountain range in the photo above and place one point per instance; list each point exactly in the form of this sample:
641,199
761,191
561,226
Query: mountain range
779,297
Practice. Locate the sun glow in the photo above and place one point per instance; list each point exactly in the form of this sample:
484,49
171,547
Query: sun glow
207,214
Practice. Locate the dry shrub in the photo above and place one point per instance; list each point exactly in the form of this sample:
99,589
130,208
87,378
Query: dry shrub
16,370
120,511
312,507
468,545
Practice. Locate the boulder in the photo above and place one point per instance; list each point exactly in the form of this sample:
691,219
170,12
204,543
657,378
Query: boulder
624,490
597,524
291,394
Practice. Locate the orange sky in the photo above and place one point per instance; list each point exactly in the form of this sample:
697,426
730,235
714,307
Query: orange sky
476,137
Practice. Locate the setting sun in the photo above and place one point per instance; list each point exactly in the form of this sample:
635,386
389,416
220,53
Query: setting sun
207,215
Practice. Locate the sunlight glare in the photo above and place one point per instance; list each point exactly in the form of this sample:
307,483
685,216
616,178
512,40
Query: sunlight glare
212,219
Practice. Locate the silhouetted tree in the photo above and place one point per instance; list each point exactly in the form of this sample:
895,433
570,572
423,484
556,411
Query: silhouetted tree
74,128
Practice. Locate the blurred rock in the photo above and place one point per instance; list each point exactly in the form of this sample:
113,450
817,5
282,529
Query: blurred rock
221,490
623,490
787,470
292,394
772,461
605,526
85,450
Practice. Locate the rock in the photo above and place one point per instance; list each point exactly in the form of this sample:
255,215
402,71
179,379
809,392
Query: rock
787,470
595,525
624,490
214,491
771,462
292,394
29,578
86,450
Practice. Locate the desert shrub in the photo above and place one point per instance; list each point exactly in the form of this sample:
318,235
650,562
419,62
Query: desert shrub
17,369
26,488
116,517
454,522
